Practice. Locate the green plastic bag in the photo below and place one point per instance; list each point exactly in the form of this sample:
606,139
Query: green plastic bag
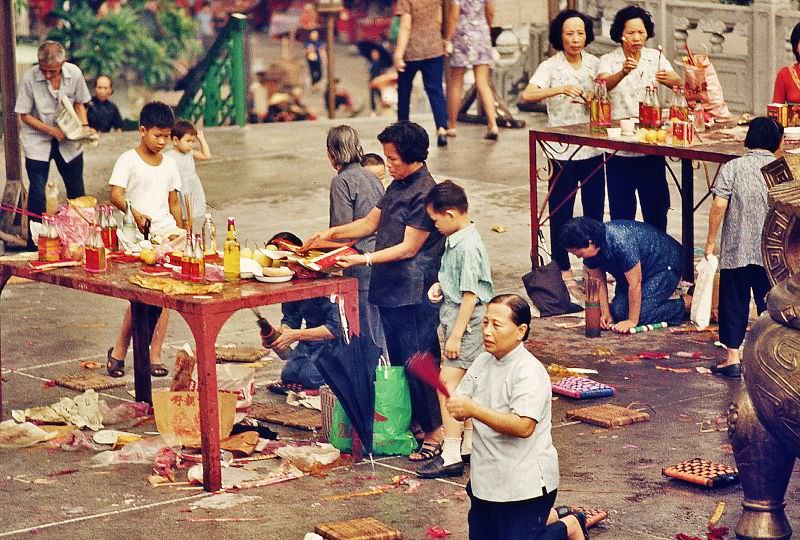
392,416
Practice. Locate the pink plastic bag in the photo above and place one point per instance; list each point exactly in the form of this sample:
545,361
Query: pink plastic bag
702,84
73,230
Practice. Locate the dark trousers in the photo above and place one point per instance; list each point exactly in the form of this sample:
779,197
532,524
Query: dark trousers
735,286
408,330
71,173
517,520
593,199
315,70
645,175
432,79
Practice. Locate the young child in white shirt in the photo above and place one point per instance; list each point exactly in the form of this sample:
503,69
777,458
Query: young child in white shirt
184,135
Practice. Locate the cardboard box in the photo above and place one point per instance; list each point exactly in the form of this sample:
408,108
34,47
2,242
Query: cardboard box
779,112
178,416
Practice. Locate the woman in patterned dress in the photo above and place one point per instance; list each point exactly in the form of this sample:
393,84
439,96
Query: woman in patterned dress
563,81
469,44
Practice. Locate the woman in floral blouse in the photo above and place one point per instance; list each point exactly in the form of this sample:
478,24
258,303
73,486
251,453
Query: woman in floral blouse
564,82
469,44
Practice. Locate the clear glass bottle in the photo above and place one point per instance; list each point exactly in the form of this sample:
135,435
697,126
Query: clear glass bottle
129,230
231,254
51,197
209,236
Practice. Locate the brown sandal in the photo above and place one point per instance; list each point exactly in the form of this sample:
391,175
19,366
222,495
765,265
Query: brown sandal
427,451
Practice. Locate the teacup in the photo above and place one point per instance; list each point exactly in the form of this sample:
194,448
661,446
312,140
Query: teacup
627,125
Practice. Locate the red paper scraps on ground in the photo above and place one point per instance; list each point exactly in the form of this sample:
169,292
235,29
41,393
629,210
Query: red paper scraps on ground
437,532
714,533
692,354
674,370
63,472
49,384
649,355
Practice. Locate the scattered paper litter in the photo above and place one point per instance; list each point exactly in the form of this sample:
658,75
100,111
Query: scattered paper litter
307,457
82,411
230,477
223,501
13,435
304,400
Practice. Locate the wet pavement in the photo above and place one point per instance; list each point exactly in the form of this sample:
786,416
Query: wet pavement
275,177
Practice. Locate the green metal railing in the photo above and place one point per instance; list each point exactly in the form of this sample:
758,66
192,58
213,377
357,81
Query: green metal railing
222,68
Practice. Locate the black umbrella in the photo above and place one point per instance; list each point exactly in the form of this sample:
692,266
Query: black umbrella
350,373
365,49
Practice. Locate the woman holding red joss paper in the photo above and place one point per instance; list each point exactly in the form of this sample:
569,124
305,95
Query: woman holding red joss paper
628,71
563,81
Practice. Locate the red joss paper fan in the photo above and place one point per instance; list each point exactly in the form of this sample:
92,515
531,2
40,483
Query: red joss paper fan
426,369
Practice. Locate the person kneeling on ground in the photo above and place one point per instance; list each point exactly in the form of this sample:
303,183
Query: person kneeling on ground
514,467
645,262
315,340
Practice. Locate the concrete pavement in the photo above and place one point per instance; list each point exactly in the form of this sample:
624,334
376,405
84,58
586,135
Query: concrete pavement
275,177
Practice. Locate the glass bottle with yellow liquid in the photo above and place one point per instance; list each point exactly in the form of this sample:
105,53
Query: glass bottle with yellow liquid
231,250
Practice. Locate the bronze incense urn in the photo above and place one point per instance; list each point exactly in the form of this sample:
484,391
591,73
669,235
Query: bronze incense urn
764,422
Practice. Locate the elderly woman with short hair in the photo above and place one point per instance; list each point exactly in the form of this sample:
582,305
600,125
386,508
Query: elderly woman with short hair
354,193
408,251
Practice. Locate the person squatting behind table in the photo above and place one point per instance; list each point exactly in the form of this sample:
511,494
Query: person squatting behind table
40,91
514,468
564,82
645,262
151,182
463,290
628,71
408,250
740,206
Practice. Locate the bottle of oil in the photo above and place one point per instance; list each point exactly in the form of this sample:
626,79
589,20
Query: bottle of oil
186,258
231,250
198,260
96,254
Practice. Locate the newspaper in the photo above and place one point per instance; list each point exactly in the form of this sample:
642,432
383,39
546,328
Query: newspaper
68,121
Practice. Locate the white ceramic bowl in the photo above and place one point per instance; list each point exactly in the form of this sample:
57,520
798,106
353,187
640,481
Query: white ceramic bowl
614,132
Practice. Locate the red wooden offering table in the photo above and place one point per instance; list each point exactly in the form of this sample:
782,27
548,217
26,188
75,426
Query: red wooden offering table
715,147
205,316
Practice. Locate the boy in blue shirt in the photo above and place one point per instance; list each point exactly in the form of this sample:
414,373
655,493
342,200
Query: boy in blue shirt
464,288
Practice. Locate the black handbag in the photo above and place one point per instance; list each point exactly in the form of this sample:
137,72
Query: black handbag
547,290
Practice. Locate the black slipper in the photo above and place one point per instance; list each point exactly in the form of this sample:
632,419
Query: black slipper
733,371
562,511
158,370
427,451
115,368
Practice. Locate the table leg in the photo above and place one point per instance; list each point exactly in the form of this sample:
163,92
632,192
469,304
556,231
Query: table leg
534,201
350,295
4,277
205,331
143,320
687,217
